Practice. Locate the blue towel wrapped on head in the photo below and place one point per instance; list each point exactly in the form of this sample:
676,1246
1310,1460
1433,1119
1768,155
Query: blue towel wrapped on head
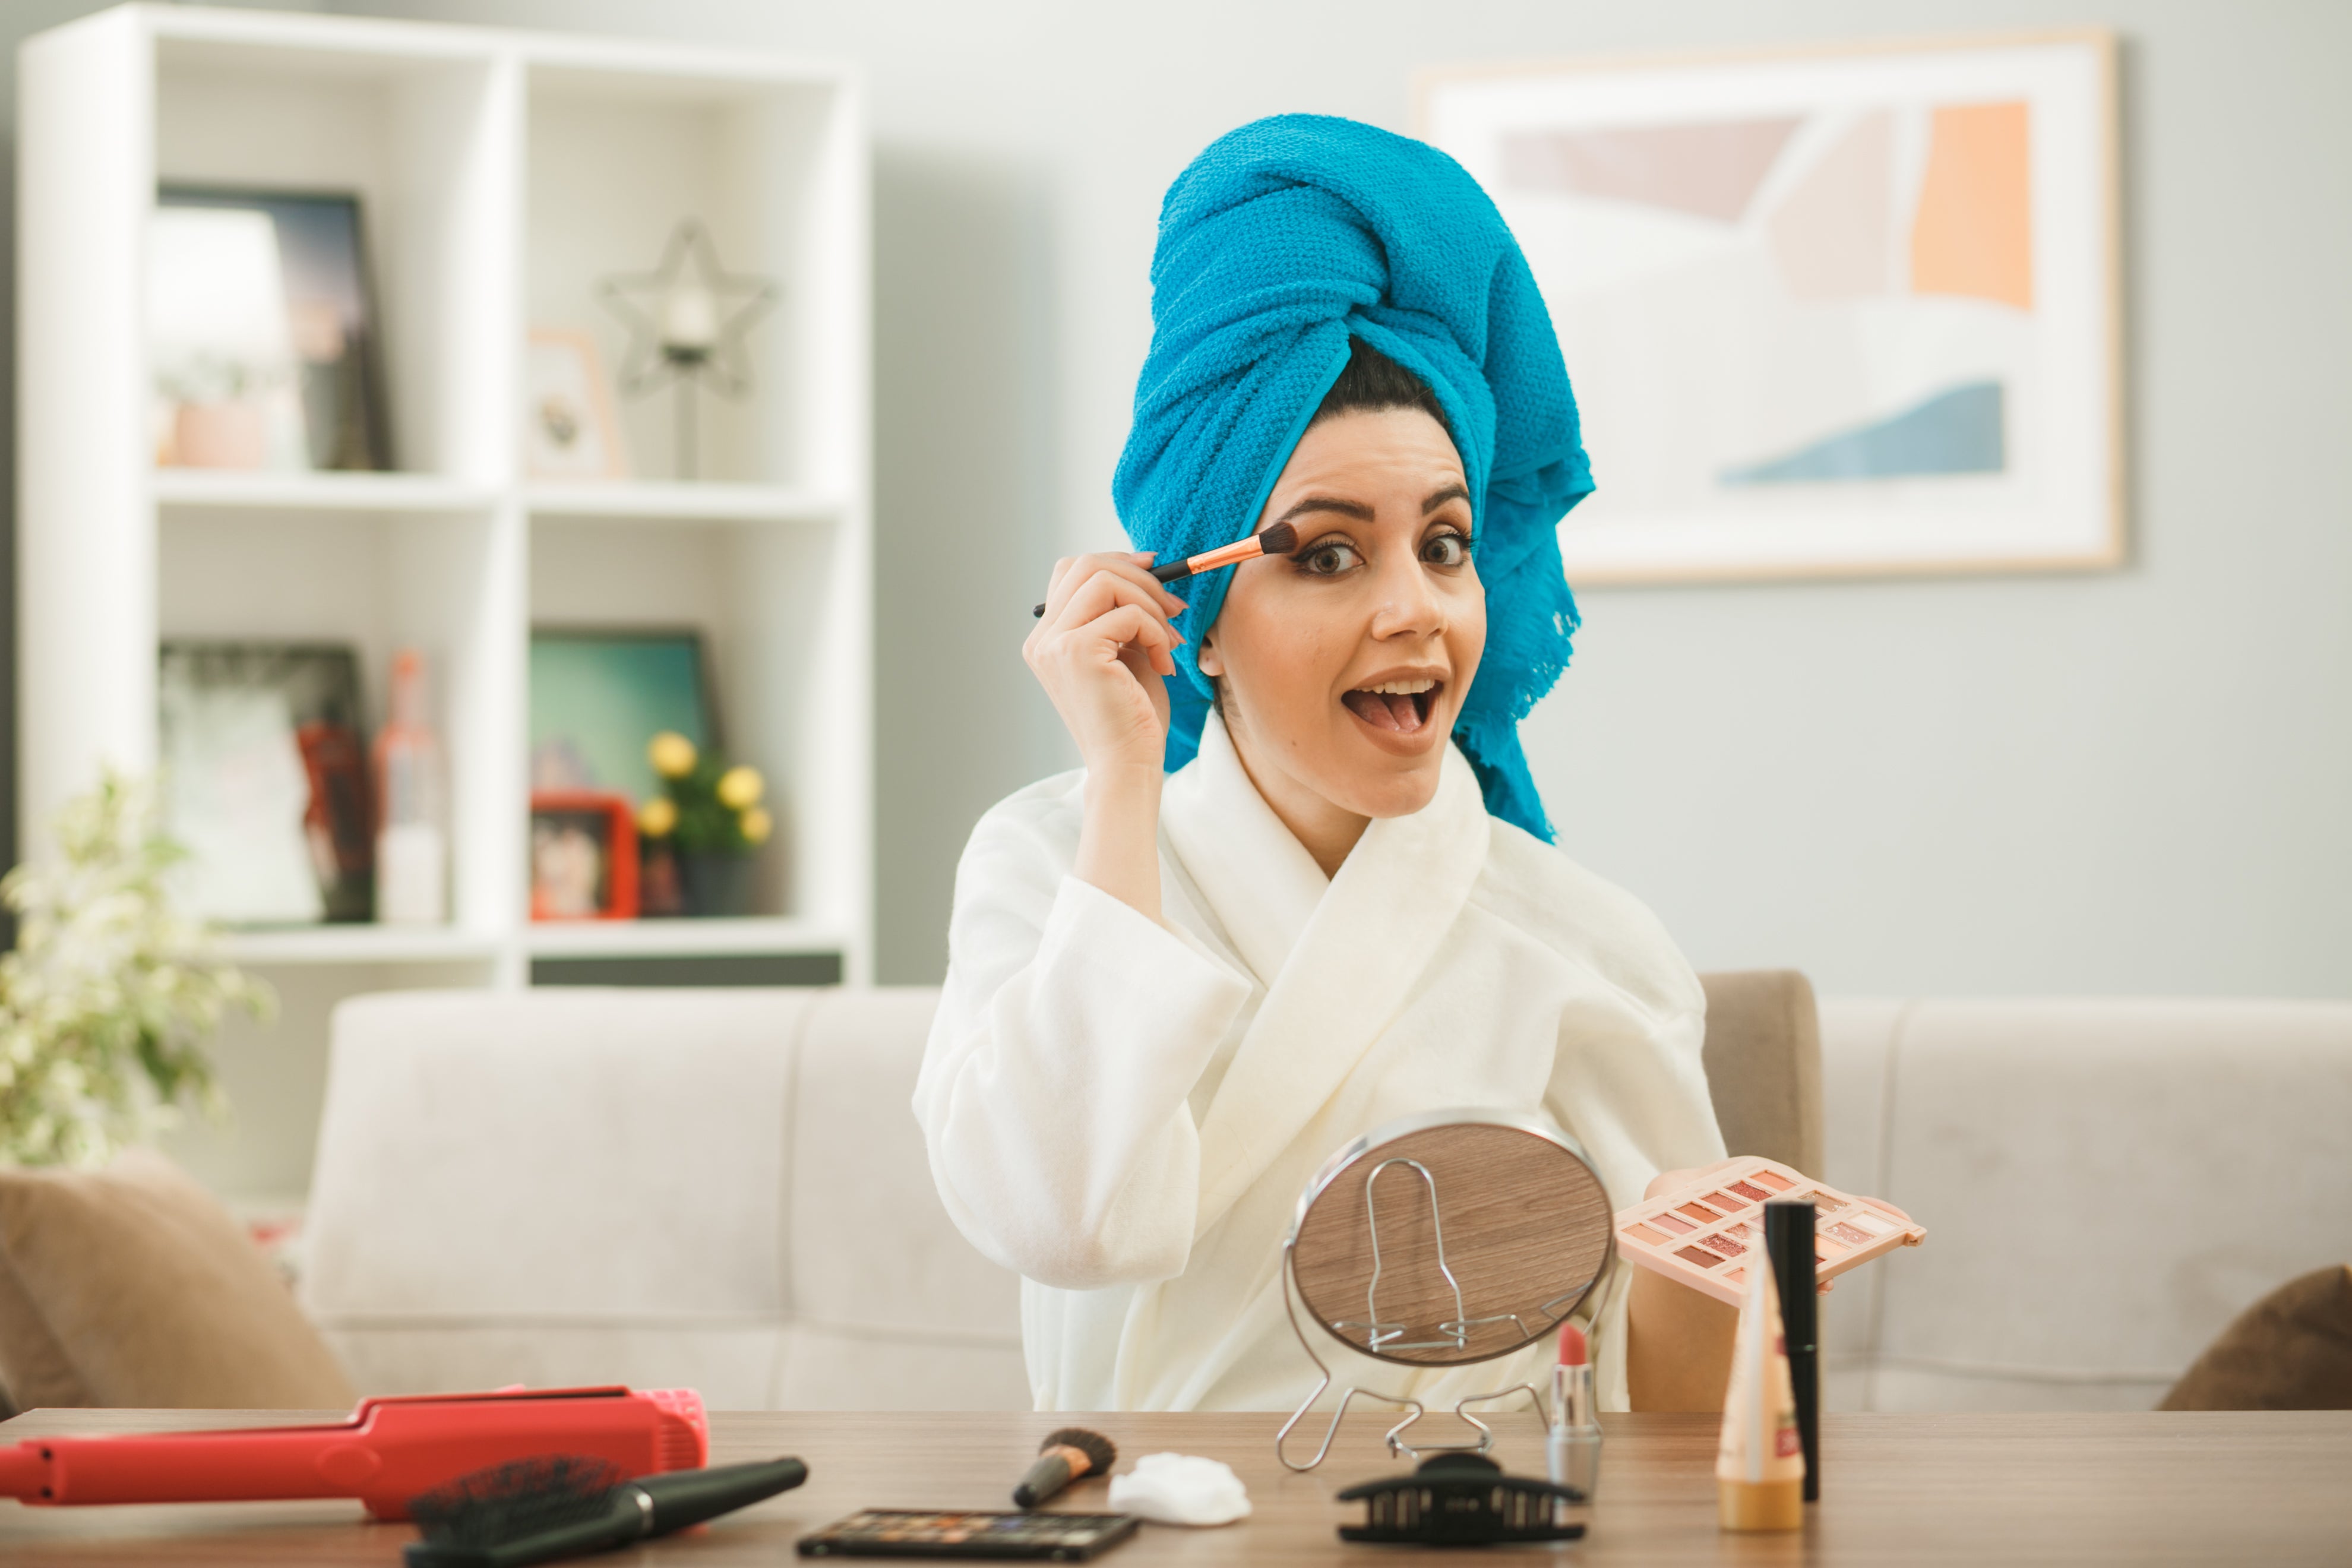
1281,242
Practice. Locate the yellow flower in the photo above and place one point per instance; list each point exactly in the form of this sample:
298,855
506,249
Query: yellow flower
657,816
739,787
758,825
671,753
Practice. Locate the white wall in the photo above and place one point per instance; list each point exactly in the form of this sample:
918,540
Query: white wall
2133,782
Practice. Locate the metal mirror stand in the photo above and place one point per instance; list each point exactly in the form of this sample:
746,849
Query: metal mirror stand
1382,1334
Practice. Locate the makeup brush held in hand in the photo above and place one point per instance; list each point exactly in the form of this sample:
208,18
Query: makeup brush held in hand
568,1505
1065,1456
1279,540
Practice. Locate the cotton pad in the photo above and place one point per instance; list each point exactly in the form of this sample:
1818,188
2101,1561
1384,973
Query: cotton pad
1180,1489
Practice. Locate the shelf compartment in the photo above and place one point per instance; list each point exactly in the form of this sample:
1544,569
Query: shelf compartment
766,163
773,608
444,583
427,141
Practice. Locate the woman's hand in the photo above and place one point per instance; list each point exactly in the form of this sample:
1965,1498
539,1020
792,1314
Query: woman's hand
1103,650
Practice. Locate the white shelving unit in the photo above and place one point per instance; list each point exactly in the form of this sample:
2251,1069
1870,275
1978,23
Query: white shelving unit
500,174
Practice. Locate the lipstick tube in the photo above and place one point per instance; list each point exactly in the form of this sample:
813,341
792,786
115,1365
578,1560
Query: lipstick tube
1573,1447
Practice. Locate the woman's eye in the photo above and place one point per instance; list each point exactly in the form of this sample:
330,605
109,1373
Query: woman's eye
1327,559
1447,549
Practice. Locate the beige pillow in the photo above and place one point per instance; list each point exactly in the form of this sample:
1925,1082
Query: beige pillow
2290,1351
131,1285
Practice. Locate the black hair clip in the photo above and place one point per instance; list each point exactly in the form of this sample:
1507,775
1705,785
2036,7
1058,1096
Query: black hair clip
1460,1500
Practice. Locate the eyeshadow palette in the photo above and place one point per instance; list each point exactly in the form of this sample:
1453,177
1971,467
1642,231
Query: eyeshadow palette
1705,1234
907,1533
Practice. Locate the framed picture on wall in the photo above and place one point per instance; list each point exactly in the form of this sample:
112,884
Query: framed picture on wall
1845,310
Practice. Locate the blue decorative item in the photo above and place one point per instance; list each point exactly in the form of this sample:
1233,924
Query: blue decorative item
1281,242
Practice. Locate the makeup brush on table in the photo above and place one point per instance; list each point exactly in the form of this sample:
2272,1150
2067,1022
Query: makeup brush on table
1065,1456
568,1505
1279,540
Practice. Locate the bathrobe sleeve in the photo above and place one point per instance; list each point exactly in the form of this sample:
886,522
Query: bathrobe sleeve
1070,1031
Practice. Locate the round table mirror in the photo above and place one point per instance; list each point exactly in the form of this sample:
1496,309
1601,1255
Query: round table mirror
1451,1238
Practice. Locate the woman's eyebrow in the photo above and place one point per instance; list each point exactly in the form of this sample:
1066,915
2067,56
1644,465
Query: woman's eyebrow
1354,508
1439,498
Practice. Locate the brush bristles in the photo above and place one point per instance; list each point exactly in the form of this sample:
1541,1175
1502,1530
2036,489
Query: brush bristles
1279,540
491,1507
1100,1455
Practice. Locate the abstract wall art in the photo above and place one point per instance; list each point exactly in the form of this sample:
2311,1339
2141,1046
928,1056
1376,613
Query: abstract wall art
1841,311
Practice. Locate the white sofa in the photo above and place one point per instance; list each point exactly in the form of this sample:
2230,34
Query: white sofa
726,1190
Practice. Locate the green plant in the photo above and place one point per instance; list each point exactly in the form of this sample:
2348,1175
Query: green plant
111,996
706,807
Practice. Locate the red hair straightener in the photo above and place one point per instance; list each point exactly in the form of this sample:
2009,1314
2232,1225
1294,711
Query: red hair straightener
388,1452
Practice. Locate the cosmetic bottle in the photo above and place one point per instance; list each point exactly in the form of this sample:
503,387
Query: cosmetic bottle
1759,1465
1790,1229
412,845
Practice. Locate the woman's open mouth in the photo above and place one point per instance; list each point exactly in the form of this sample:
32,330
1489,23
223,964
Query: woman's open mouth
1399,706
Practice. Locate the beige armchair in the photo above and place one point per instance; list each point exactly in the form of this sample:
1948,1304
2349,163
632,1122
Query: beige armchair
1763,1059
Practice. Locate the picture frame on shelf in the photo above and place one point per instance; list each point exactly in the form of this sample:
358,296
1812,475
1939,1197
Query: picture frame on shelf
265,332
572,428
1838,312
264,755
584,856
600,694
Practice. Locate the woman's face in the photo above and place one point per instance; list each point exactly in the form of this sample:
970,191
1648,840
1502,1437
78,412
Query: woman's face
1344,665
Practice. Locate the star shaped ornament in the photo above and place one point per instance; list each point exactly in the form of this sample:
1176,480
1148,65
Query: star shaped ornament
687,317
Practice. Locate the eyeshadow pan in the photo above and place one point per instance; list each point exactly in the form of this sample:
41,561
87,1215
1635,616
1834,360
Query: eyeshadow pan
1845,1232
1876,1224
1758,1194
1825,1249
1679,1226
1725,1202
1699,1212
1778,1182
1646,1233
1694,1254
1723,1244
1735,1276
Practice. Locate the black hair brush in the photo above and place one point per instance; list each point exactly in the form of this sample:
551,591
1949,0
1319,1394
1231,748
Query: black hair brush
1064,1456
566,1505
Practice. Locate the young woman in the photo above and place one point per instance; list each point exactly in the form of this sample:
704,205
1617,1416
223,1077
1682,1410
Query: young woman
1172,994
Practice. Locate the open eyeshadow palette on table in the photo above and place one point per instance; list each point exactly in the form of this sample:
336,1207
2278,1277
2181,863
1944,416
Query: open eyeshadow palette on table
1705,1234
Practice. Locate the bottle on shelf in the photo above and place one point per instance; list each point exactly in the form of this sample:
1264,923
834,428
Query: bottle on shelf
412,845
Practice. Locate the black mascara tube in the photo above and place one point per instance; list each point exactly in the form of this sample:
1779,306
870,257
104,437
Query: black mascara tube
1789,1241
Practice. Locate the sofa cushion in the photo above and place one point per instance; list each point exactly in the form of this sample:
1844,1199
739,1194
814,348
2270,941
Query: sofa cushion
2290,1351
717,1189
2106,1184
131,1285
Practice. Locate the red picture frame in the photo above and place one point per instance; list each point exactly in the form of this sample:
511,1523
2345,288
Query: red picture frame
584,856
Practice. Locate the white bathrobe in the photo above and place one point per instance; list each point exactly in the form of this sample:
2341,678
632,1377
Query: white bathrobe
1125,1111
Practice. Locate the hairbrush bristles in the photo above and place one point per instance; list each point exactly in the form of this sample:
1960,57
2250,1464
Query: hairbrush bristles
525,1497
1279,540
1100,1455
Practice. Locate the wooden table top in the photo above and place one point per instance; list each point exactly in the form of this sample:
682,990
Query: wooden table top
1946,1488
